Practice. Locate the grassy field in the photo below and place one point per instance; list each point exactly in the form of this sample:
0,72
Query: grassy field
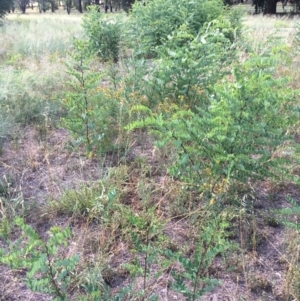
122,208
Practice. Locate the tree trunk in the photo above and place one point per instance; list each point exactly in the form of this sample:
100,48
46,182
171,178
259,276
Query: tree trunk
80,6
22,5
270,7
23,8
52,6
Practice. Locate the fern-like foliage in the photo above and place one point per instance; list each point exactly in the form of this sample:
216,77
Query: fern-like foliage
233,126
47,271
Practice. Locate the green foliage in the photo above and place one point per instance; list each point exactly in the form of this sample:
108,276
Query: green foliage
47,270
29,93
188,67
93,112
224,109
193,280
151,25
5,7
21,106
229,24
285,215
146,228
11,205
92,282
235,17
103,35
233,126
289,217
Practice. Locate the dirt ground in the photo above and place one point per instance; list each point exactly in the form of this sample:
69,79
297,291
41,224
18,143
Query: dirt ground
36,170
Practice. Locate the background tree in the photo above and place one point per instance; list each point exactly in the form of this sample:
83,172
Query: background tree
297,5
54,5
80,6
68,4
116,4
269,7
22,5
43,5
86,3
5,7
127,4
13,6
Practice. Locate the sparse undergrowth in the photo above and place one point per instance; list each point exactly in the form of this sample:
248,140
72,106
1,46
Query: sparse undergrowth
171,181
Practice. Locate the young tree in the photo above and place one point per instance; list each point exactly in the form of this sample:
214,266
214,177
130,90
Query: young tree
5,7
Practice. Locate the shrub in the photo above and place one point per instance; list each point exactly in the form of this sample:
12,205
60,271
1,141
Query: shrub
151,25
103,35
189,66
193,280
230,129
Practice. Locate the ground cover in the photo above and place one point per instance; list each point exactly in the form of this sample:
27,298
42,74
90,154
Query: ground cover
134,225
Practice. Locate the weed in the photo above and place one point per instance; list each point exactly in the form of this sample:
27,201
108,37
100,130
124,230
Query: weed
46,271
93,203
192,281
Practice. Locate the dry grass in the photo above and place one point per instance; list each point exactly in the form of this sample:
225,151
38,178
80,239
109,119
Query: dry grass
35,36
32,71
261,28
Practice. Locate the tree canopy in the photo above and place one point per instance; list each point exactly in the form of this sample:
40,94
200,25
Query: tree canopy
5,7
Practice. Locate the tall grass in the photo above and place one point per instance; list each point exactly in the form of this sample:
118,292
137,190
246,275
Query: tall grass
32,73
37,37
260,28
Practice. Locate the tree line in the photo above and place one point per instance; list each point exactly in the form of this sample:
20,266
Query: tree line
7,6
